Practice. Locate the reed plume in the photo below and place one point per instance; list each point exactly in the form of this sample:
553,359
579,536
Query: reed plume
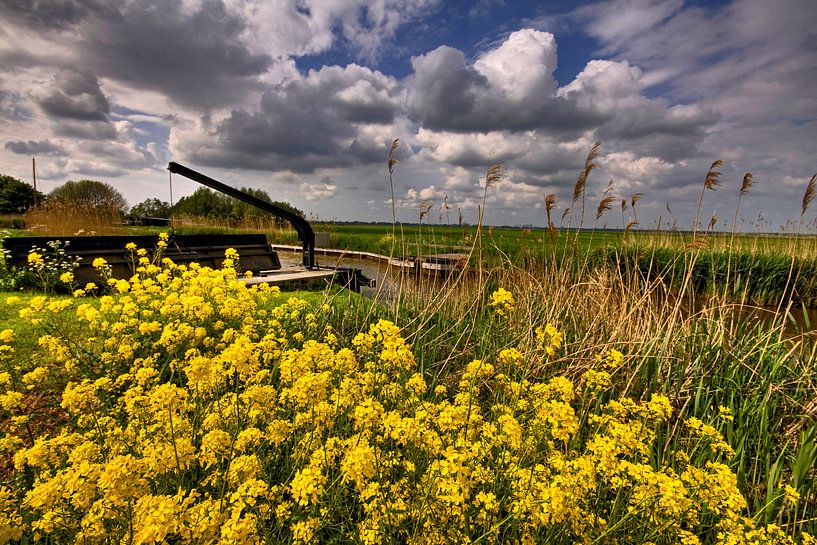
550,202
581,182
713,177
808,196
589,165
623,211
748,180
605,205
712,180
393,155
747,183
633,200
494,175
629,226
391,162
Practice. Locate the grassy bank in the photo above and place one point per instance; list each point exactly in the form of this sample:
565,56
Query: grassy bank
292,420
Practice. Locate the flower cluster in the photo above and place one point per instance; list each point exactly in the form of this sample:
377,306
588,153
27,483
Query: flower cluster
52,267
502,302
200,411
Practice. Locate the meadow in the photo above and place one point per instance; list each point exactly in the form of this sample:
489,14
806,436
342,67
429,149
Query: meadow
576,386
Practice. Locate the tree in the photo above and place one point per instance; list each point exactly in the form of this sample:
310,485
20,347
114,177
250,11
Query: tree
151,208
16,196
90,194
204,202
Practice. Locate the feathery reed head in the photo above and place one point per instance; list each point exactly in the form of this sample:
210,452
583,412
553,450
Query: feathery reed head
697,244
393,155
605,205
635,198
712,221
630,226
589,165
550,202
808,196
747,183
713,177
494,175
623,205
565,213
425,208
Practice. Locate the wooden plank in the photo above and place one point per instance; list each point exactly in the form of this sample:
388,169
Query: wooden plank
283,277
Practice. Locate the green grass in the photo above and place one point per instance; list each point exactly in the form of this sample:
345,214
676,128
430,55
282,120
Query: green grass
701,360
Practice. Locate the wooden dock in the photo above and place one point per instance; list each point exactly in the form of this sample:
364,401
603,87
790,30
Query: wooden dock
294,276
433,264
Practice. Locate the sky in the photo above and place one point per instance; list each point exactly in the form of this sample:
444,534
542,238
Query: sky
303,99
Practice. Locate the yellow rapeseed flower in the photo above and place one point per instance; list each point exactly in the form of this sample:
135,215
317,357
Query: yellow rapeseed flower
502,302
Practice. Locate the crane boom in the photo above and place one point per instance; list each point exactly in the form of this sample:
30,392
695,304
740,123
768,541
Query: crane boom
305,233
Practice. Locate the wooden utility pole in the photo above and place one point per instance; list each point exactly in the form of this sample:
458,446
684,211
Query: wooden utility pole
34,175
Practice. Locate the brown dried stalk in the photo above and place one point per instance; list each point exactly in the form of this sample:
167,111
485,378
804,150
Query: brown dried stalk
605,205
494,175
747,183
550,202
713,177
589,165
808,196
393,155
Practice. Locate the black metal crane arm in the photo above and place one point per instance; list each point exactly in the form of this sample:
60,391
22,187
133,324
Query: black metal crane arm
303,228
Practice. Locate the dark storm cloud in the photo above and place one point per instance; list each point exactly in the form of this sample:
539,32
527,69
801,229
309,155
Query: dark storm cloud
197,59
76,105
49,14
195,56
89,130
31,147
305,125
74,94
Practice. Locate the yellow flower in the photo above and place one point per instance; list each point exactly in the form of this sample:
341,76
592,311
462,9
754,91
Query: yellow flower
726,413
502,302
790,494
34,258
612,359
130,246
99,263
549,339
67,277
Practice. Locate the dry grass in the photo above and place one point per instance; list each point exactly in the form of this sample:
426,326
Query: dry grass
55,218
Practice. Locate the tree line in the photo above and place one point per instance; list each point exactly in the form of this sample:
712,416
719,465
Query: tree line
16,197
